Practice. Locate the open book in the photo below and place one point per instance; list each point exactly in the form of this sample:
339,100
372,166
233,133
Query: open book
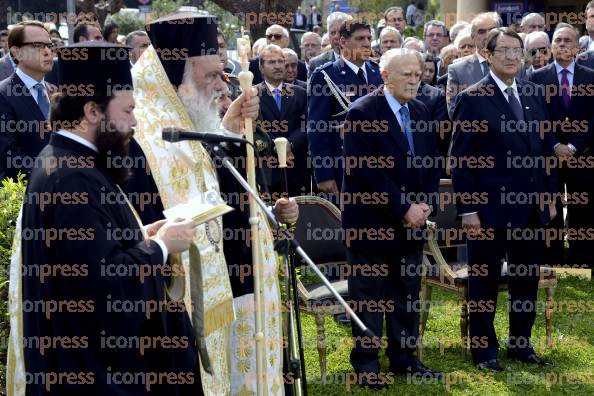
201,208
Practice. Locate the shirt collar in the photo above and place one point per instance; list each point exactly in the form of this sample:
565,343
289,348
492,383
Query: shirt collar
78,139
570,68
355,68
502,85
392,101
272,88
480,57
29,81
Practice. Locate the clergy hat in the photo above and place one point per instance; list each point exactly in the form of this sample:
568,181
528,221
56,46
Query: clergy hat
97,67
181,36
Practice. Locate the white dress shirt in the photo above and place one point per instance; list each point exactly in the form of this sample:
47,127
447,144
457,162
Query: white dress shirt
356,68
30,83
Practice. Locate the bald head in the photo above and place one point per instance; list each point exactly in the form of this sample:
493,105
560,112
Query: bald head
276,34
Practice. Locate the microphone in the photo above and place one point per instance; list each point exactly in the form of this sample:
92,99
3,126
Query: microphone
173,135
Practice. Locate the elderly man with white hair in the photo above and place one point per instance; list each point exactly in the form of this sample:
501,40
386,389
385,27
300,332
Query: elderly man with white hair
311,46
409,191
533,22
389,38
333,22
291,68
276,34
414,43
538,51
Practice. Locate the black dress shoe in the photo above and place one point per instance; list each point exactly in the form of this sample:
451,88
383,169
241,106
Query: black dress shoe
530,359
418,369
491,365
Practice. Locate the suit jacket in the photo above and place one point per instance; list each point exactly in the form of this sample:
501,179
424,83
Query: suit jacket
586,59
289,123
494,145
6,68
392,182
442,83
320,60
24,128
299,83
255,69
324,118
434,99
580,108
462,74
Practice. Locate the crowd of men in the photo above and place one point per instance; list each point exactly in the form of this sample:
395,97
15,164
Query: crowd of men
374,120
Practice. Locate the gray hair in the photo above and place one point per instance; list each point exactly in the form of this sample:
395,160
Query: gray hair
485,15
463,34
308,34
563,25
528,17
285,31
413,40
457,28
390,54
390,29
290,52
337,16
137,33
533,36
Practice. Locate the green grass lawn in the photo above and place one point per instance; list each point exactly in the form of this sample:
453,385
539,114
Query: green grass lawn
572,352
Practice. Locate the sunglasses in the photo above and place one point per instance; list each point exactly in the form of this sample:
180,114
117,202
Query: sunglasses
464,46
274,36
542,50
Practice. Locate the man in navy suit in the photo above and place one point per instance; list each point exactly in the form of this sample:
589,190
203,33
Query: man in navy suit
384,149
283,111
291,62
276,34
499,123
24,100
332,88
572,105
435,101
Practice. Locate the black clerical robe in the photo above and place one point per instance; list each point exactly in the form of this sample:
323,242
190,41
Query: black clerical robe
94,288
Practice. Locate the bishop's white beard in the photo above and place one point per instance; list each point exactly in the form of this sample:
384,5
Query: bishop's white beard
201,109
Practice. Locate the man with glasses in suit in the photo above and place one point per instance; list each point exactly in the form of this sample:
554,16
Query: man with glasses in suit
24,100
538,51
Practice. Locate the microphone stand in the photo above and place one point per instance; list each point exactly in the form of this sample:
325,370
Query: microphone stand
284,233
293,320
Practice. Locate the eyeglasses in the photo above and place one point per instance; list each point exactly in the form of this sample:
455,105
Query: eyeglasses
39,45
274,36
542,50
464,46
509,52
484,31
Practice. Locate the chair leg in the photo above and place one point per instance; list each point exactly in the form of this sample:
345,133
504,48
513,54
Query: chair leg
464,324
321,345
549,315
425,306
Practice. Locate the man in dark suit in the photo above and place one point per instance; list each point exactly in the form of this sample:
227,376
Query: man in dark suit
24,100
7,67
276,34
291,63
299,19
332,88
384,238
471,69
434,99
283,111
567,82
314,18
334,21
499,123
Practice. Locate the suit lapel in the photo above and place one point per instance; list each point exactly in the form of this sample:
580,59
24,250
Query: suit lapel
26,99
393,126
286,99
268,100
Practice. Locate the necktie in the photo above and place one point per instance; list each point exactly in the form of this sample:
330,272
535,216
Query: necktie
565,87
42,101
361,75
405,117
484,68
277,97
514,103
